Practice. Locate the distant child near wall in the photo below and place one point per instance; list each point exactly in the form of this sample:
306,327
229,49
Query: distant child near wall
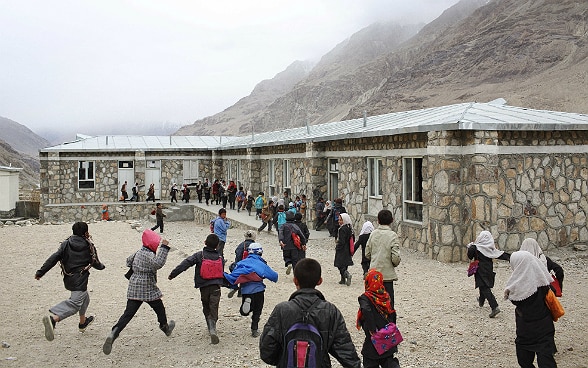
159,215
485,252
249,274
105,215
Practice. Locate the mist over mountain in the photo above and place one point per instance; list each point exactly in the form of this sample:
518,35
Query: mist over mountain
533,53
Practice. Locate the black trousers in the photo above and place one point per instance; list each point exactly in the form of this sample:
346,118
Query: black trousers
389,362
525,359
486,294
159,225
389,286
257,302
264,224
133,307
210,298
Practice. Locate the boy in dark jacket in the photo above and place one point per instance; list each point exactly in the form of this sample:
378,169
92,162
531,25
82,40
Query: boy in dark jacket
208,278
322,314
76,255
291,253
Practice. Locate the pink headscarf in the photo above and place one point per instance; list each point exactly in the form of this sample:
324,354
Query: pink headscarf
151,239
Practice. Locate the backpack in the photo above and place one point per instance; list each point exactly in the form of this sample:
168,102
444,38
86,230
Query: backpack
211,269
281,219
259,202
303,344
212,225
296,240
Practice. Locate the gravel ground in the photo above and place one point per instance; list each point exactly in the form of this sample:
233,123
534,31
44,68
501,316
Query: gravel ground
438,313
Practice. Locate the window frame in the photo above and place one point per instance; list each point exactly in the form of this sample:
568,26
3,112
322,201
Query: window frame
271,170
412,189
286,179
375,168
333,172
91,169
190,179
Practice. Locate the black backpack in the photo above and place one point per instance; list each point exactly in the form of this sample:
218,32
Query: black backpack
303,344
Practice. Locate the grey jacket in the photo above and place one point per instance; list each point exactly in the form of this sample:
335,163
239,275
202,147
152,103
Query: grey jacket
143,281
383,250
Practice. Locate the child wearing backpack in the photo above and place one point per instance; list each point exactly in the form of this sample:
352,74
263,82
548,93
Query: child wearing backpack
305,329
292,241
208,276
240,254
375,312
249,274
259,202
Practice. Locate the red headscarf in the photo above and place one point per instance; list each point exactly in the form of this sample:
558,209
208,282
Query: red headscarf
150,239
377,294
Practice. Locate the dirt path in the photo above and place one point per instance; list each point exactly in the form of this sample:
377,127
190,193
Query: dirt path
438,313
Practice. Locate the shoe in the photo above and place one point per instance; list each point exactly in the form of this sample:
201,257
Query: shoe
82,326
480,302
49,324
232,293
107,347
348,279
246,307
495,311
212,331
168,328
254,333
288,269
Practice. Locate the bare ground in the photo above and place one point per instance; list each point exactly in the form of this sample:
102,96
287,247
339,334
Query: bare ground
438,313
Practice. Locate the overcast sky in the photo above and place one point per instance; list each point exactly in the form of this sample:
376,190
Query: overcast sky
74,64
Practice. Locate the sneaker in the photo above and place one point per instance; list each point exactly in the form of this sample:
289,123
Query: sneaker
49,324
170,327
82,326
495,311
246,307
348,280
254,333
289,269
232,293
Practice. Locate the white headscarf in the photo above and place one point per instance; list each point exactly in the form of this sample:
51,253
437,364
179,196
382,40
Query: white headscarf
367,228
327,206
485,245
530,245
346,219
528,273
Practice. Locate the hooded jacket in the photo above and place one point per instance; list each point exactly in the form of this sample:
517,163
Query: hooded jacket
253,263
324,316
75,255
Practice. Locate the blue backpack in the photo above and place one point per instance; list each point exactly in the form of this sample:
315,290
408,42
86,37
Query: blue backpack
303,344
281,219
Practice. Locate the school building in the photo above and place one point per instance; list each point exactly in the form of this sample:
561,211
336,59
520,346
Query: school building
446,173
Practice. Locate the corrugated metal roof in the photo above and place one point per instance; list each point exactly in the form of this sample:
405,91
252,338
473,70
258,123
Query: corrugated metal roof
495,115
132,143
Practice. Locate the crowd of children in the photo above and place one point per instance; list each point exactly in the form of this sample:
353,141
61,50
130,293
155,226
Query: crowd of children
307,326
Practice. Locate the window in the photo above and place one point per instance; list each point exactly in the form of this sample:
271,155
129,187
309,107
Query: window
333,178
125,164
271,171
190,171
413,189
375,169
286,174
237,177
86,174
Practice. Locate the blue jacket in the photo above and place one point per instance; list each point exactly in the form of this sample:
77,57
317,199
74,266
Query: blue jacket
220,228
253,263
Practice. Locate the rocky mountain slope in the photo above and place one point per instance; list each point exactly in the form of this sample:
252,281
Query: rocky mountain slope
533,53
19,147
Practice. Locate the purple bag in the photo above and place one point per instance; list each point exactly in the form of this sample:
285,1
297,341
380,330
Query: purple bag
386,338
473,267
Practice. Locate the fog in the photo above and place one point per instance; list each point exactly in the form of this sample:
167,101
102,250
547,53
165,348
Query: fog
132,66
